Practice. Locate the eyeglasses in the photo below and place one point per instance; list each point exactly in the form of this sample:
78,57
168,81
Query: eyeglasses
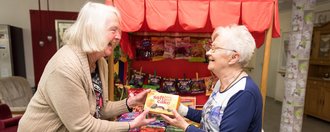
213,48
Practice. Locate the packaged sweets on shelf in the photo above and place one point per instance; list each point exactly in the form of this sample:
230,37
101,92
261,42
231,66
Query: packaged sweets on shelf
157,48
152,129
137,79
154,82
189,101
197,86
182,47
143,48
169,86
169,47
157,123
209,84
161,103
127,117
197,52
171,128
184,86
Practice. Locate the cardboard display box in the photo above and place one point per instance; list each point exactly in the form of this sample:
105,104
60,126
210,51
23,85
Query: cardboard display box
161,103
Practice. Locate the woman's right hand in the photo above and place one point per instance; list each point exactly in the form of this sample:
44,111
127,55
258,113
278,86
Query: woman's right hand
177,120
141,120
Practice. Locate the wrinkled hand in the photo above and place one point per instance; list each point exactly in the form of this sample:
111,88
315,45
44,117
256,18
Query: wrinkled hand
138,99
141,120
177,120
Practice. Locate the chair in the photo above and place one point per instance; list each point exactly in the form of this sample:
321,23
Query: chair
8,123
16,92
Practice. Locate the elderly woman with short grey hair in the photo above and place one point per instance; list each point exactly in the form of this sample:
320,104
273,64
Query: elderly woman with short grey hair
235,104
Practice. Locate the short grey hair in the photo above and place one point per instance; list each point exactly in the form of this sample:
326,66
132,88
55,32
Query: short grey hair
89,31
238,38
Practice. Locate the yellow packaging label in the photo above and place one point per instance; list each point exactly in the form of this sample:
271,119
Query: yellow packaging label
161,103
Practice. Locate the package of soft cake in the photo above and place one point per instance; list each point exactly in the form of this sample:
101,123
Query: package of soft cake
161,103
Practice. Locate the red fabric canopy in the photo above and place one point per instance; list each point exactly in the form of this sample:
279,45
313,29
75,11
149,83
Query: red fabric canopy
160,14
198,15
193,14
132,13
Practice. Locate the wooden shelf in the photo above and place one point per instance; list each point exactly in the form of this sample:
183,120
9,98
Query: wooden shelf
317,101
320,62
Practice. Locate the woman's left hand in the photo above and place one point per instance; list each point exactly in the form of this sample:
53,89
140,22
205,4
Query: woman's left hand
141,120
177,120
138,99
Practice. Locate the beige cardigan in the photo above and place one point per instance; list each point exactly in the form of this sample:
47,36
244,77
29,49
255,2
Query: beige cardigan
65,99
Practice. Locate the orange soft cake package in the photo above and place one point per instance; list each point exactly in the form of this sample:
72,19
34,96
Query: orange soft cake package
161,103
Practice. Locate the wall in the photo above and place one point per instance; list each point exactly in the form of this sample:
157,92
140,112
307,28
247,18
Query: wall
16,13
285,27
285,21
256,72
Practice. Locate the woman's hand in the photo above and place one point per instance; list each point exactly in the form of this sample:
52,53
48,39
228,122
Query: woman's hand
141,120
177,120
138,99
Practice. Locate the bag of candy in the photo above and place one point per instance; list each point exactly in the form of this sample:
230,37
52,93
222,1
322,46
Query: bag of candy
169,47
157,48
143,48
153,82
197,52
137,79
209,84
182,50
169,86
197,86
184,86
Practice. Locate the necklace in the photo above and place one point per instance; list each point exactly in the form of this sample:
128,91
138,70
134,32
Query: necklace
229,86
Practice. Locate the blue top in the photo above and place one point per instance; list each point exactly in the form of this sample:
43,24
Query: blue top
239,109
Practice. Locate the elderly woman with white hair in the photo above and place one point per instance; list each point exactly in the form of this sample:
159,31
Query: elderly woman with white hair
72,92
236,103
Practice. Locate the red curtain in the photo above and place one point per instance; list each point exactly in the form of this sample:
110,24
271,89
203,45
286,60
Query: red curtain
223,13
199,15
193,14
161,14
132,14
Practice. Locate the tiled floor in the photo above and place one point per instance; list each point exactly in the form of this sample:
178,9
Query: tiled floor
272,119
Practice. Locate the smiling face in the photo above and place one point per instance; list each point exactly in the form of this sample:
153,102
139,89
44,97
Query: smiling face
113,35
219,57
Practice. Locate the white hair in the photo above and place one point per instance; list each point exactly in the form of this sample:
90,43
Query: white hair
89,31
236,38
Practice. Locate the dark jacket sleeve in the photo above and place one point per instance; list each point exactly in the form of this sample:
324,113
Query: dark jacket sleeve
194,129
194,115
